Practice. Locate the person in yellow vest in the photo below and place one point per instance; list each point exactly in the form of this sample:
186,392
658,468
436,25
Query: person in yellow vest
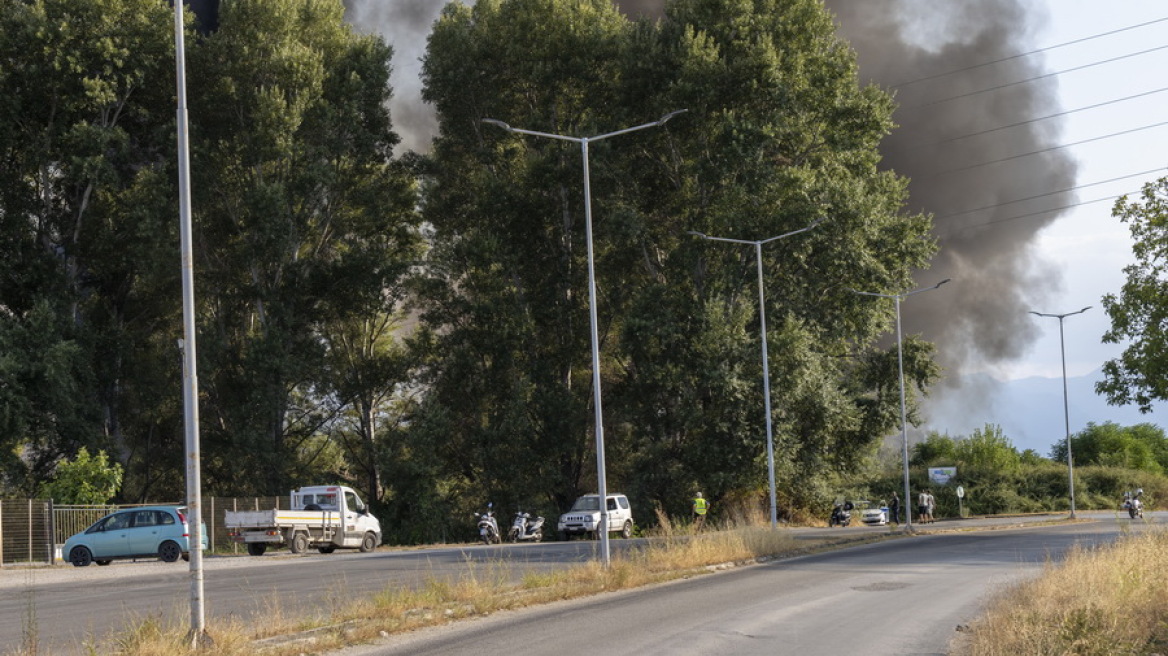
700,507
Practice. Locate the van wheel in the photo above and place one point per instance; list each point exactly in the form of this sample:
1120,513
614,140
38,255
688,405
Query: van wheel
299,543
256,548
369,543
627,531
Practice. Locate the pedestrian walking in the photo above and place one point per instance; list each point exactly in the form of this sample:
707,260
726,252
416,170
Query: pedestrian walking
894,510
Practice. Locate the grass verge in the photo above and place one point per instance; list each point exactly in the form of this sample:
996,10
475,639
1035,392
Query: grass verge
480,589
1104,601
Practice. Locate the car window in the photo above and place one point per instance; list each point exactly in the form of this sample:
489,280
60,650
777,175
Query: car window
612,504
165,518
354,504
145,518
117,522
624,502
584,504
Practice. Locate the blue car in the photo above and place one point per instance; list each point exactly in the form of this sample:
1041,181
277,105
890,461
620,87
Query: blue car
133,533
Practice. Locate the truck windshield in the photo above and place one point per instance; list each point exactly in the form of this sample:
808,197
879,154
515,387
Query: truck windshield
584,504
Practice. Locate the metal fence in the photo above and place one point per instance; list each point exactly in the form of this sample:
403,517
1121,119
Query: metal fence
32,530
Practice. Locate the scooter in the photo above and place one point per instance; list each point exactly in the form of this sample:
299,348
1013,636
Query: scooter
526,528
488,527
841,514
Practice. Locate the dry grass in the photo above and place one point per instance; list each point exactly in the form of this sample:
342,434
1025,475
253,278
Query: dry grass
480,589
1107,601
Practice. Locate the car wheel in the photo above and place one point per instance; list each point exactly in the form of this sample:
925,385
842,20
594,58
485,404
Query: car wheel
169,552
81,556
369,543
103,562
256,548
299,543
627,531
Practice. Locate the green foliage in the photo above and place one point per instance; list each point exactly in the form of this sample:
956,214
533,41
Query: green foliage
1143,447
84,480
778,133
1137,313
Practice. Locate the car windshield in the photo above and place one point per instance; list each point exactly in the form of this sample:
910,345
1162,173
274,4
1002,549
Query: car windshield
584,504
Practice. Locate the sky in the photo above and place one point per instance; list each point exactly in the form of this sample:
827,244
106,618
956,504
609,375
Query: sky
1112,88
1083,63
1086,245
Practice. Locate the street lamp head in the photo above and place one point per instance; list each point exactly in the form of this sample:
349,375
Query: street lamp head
496,122
697,234
661,121
942,283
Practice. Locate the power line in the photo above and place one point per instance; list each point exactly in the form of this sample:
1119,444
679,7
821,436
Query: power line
1049,193
1027,54
1036,78
1041,118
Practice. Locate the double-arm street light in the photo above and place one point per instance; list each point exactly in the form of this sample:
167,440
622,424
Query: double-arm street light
602,488
1066,407
903,412
766,374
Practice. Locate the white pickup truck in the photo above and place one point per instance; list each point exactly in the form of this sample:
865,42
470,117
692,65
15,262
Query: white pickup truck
323,517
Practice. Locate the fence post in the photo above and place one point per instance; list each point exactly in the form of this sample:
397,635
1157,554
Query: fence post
211,525
1,533
52,524
29,534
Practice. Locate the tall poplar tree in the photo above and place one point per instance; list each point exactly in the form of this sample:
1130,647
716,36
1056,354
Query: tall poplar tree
778,133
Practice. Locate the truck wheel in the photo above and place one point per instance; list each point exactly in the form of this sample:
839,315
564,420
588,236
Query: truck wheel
256,548
627,531
369,543
299,543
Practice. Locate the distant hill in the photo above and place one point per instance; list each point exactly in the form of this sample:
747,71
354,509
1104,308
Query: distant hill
1029,410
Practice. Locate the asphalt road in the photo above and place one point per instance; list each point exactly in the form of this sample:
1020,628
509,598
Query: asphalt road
896,597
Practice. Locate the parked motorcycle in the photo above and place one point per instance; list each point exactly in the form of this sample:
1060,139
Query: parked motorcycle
526,528
488,527
841,514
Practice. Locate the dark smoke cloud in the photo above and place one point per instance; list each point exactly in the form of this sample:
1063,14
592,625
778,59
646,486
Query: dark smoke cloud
980,320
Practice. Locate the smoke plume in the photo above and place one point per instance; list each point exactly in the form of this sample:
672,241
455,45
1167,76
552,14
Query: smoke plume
966,167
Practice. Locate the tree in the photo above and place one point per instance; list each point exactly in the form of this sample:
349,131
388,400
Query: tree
778,133
85,97
1139,314
1142,447
304,223
84,480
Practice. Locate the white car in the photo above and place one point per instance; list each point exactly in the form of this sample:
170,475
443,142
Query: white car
875,516
584,517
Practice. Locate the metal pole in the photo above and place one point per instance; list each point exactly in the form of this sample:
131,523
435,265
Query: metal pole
601,482
1067,420
601,476
766,372
190,377
903,404
1066,402
903,421
766,389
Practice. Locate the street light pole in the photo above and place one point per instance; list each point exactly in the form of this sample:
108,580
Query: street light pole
903,410
601,483
1066,405
766,373
198,631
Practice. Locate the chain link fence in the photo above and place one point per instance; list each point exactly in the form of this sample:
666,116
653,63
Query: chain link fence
33,530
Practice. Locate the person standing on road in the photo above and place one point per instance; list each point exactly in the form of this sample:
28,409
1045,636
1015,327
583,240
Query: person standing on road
923,506
932,505
700,507
894,510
